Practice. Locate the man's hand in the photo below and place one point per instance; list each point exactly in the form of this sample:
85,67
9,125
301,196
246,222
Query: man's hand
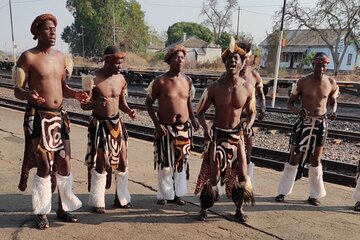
35,97
303,113
132,113
195,125
160,130
261,115
82,97
246,129
208,134
333,116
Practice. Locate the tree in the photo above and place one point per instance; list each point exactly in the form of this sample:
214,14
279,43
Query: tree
175,32
94,18
342,17
216,18
225,37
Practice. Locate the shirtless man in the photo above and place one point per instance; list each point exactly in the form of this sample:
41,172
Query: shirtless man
107,136
356,194
224,157
173,131
316,91
43,69
252,76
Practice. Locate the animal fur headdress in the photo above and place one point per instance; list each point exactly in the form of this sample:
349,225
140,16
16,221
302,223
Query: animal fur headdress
40,19
172,51
234,48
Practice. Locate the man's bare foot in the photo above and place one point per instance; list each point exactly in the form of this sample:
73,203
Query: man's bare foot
66,217
99,210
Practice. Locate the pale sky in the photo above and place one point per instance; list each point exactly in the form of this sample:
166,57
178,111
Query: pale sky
256,17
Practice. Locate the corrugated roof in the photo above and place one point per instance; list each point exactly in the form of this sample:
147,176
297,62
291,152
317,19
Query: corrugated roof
305,37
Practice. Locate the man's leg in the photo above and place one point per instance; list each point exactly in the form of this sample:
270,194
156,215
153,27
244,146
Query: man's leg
122,195
67,199
288,175
242,191
98,183
356,194
41,194
316,183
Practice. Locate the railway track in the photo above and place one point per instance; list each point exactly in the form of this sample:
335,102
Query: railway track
334,171
268,109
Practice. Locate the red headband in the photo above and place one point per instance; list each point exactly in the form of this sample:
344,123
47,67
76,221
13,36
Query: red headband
40,19
114,56
321,60
172,51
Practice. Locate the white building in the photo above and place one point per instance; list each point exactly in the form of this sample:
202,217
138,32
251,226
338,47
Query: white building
300,43
198,50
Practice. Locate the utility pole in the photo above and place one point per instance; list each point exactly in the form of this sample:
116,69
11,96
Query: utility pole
12,33
278,57
114,40
83,43
238,23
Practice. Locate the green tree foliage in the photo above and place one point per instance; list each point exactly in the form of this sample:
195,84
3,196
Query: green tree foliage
95,19
175,32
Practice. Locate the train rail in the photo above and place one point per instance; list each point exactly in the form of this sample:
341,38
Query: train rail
334,171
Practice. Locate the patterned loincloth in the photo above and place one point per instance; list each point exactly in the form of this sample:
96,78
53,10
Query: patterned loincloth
226,145
106,134
173,149
308,133
52,127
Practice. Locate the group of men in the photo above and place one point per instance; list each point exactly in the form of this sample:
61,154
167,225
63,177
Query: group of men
226,157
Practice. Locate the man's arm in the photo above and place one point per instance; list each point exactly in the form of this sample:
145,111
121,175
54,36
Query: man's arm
123,105
21,77
259,88
204,103
296,92
250,107
333,98
192,92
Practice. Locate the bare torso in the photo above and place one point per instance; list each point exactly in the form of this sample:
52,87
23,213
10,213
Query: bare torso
110,87
315,94
173,95
46,71
229,101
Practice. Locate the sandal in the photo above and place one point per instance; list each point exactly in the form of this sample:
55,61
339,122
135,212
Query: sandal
179,201
161,202
41,222
357,206
99,210
280,198
67,217
202,215
313,201
241,217
118,204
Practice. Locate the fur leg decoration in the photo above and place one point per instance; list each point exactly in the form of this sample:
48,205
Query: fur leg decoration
122,191
287,179
356,194
209,195
180,183
250,173
317,189
165,185
69,201
97,189
242,193
41,195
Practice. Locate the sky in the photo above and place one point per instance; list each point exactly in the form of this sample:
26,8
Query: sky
256,18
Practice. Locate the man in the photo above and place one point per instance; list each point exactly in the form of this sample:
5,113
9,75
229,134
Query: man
224,157
316,91
252,76
356,194
107,136
173,132
43,69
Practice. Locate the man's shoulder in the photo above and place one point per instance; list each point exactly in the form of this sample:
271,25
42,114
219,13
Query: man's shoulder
332,80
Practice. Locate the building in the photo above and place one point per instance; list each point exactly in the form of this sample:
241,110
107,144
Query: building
301,43
198,50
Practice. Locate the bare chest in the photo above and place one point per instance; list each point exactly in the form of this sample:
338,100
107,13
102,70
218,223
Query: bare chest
175,91
108,88
234,97
317,91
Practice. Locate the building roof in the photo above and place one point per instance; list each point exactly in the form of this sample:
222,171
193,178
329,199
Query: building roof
193,42
305,37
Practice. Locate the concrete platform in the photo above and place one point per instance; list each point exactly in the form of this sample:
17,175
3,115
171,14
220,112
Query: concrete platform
295,219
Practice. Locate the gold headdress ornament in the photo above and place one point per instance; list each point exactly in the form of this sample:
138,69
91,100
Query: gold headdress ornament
321,60
114,56
172,51
233,48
